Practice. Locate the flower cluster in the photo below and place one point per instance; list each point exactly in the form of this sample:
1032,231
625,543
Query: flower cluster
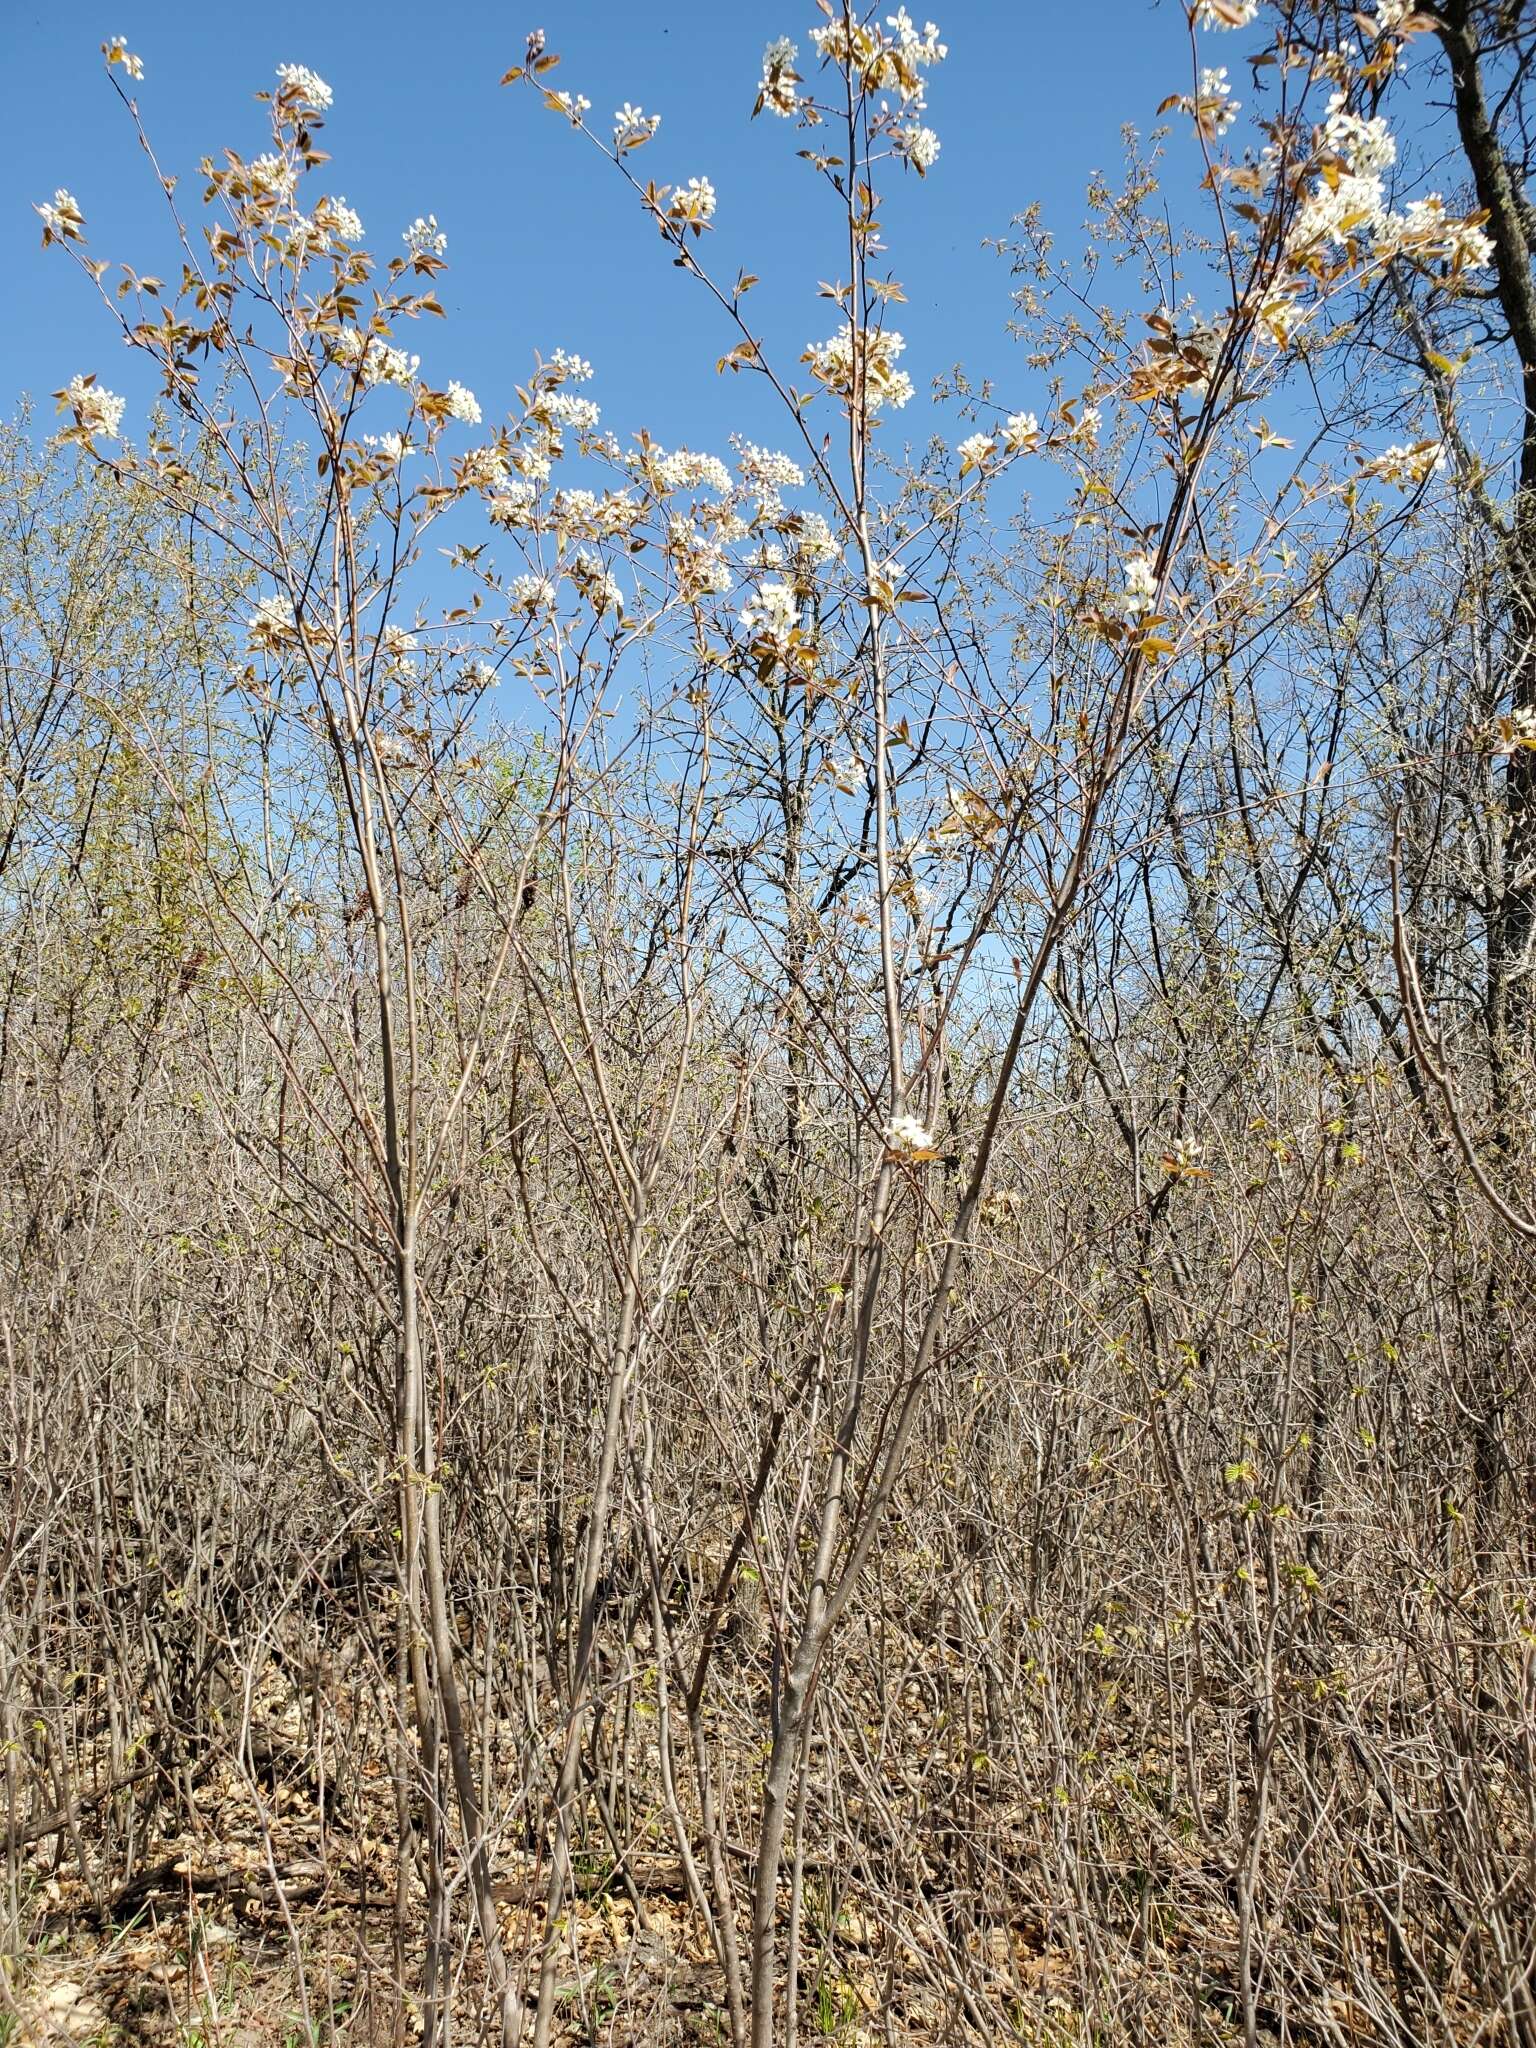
532,593
692,205
397,646
1182,1160
596,581
882,62
774,614
1225,13
375,360
1347,204
332,221
766,471
917,144
272,625
1407,467
1213,106
906,1135
425,238
118,52
1000,1206
574,106
572,369
565,409
1425,228
683,470
482,469
814,540
462,405
513,504
702,570
388,448
1021,433
632,127
272,176
96,411
860,367
303,89
61,217
975,451
776,88
1140,586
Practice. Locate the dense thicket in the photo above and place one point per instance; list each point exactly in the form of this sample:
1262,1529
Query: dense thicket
827,1333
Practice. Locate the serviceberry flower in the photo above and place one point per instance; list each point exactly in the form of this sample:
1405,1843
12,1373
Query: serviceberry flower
906,1135
272,625
1140,585
860,367
776,87
61,217
462,405
692,205
632,127
425,238
96,411
776,612
532,593
118,52
305,88
974,451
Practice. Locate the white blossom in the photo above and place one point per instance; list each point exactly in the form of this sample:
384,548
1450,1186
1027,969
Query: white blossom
118,52
462,405
304,87
513,504
272,174
907,1135
1021,430
573,369
338,219
596,582
272,624
776,87
483,469
566,410
813,537
97,410
396,644
424,237
919,145
974,451
692,204
860,366
1215,106
1407,466
532,593
1140,585
573,106
376,360
632,127
61,215
391,448
775,612
766,470
685,470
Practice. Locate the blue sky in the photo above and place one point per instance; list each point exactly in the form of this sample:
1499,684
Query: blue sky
546,246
